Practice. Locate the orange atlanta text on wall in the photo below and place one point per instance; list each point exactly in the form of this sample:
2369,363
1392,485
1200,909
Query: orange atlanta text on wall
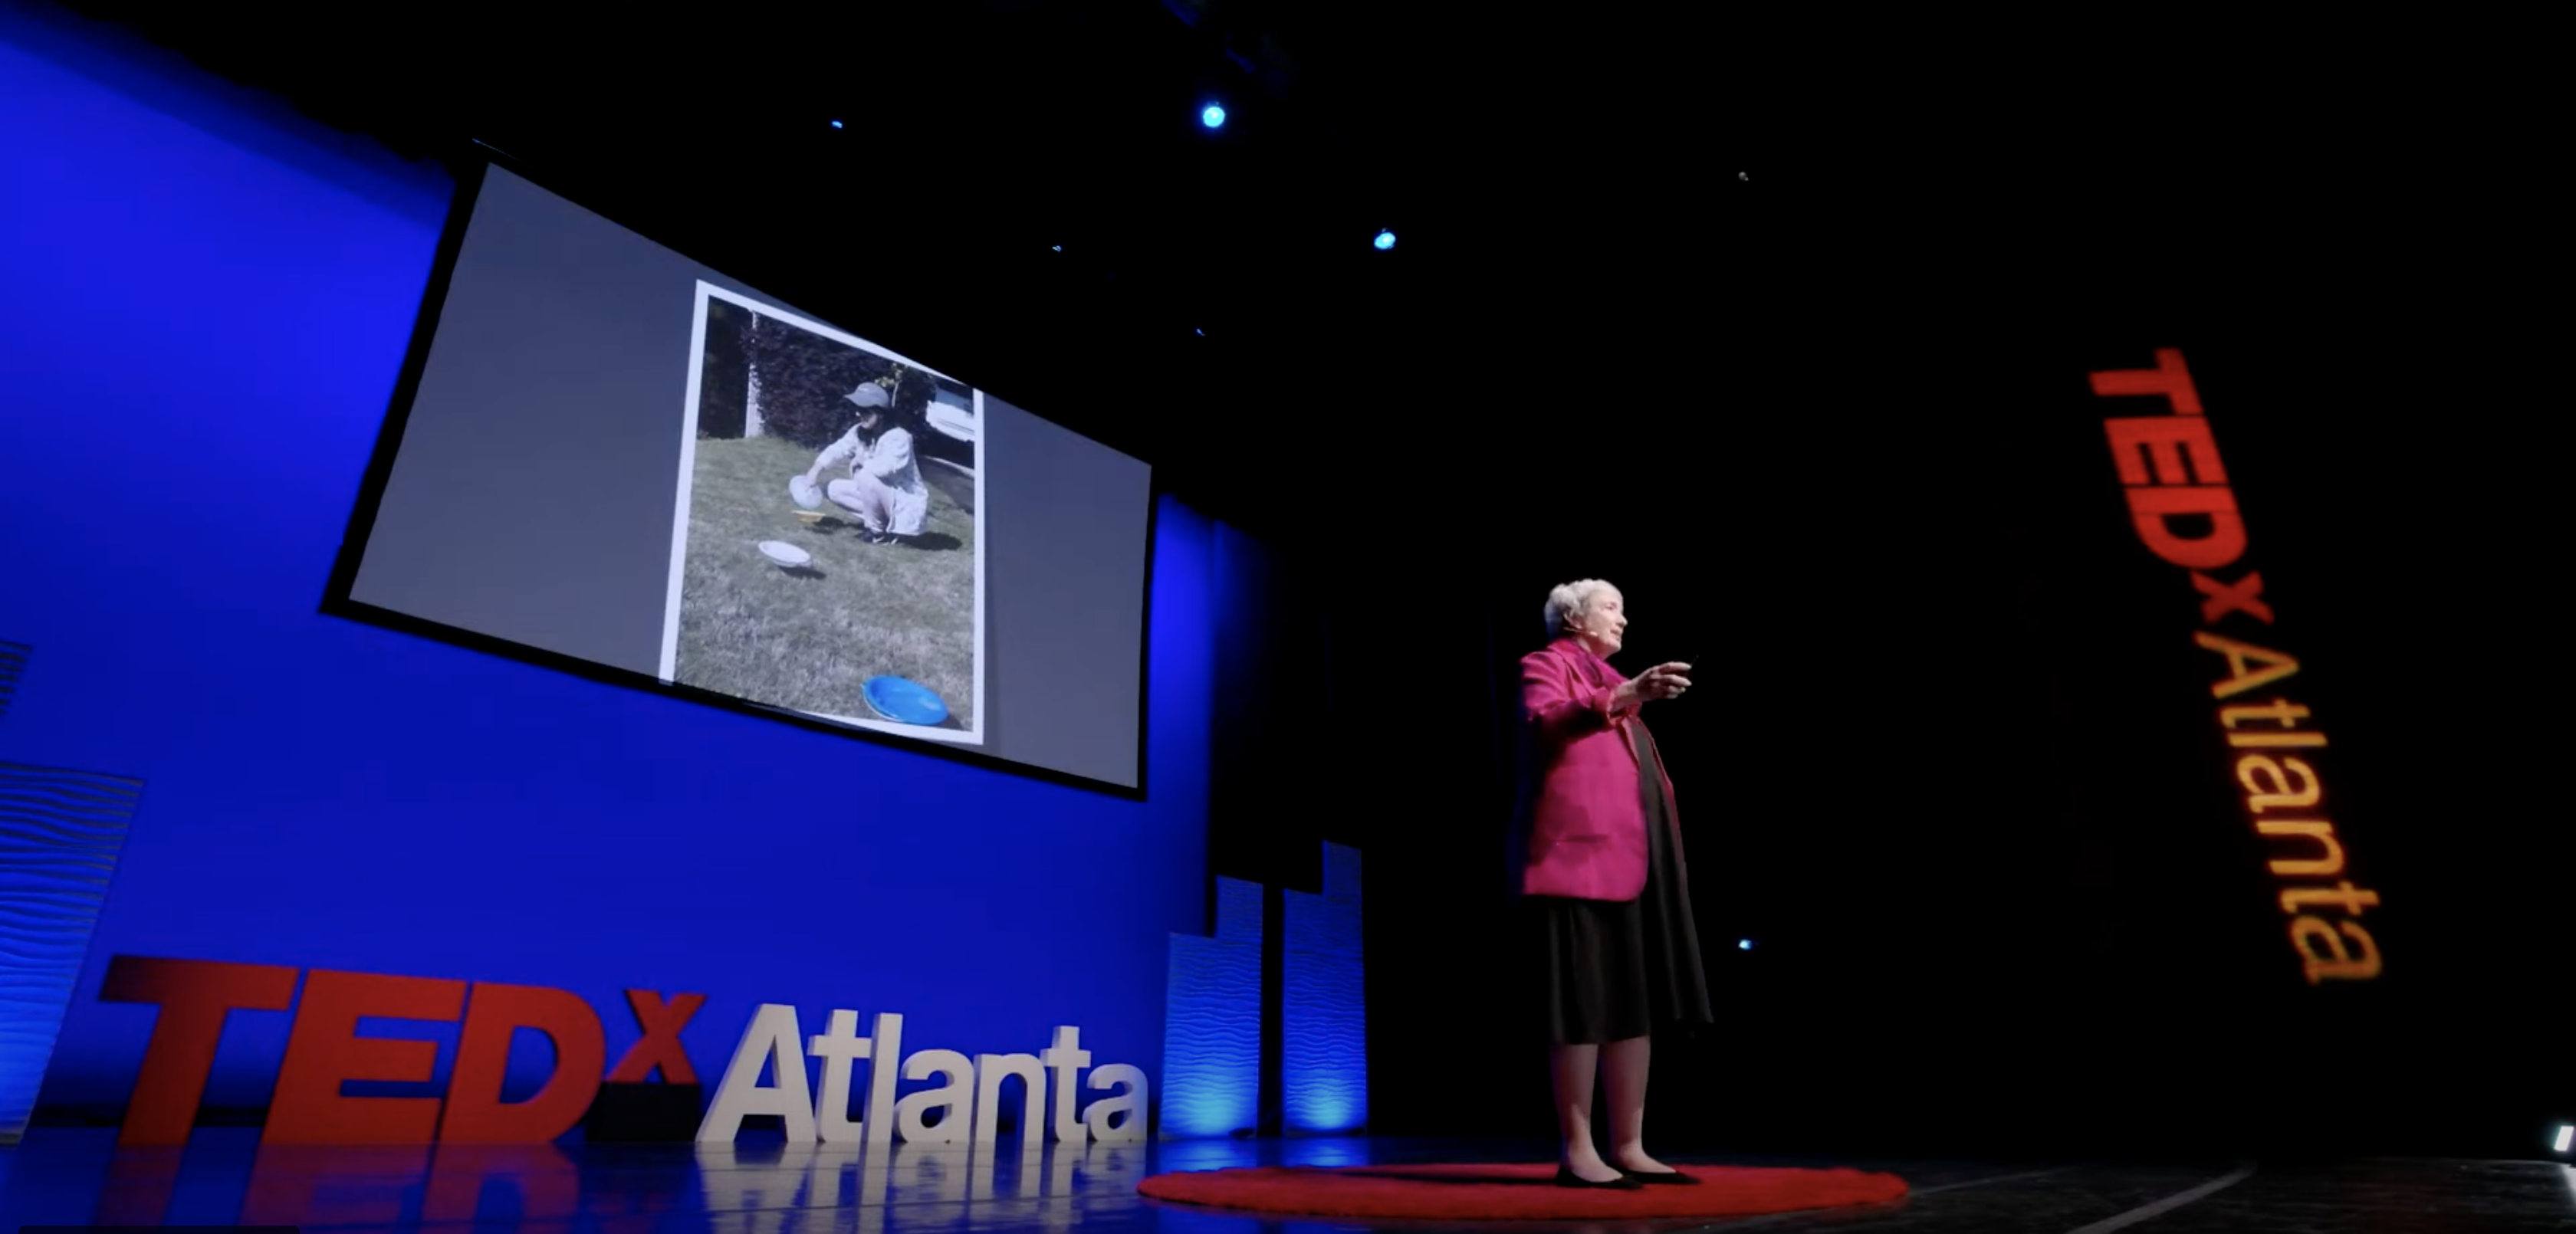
2170,468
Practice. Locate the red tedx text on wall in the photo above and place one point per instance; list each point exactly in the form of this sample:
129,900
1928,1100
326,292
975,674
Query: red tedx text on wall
324,1049
2168,466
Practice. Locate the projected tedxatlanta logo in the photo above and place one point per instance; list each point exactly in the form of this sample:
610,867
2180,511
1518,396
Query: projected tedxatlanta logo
776,1043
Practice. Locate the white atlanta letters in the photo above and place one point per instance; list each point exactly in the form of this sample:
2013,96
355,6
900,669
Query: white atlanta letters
971,1091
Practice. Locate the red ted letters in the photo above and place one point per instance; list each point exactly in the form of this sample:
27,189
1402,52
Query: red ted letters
325,1049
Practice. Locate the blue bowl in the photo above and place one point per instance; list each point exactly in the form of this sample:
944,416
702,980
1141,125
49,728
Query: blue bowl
904,701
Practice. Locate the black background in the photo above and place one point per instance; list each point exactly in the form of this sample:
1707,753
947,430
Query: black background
1795,358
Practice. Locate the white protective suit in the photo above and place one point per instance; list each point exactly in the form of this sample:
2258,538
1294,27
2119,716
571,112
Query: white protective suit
887,462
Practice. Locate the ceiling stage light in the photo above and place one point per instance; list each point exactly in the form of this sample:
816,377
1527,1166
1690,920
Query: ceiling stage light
1212,116
1385,241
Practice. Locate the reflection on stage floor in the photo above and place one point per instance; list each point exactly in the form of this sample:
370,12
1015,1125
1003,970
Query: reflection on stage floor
77,1176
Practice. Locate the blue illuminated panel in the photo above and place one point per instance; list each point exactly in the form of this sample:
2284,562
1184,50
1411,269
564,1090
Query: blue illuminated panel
1212,1021
13,664
60,834
1323,1063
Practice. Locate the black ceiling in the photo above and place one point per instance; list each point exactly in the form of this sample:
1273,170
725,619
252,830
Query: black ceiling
1584,201
974,128
1205,280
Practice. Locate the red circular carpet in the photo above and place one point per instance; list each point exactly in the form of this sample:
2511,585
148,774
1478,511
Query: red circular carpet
1513,1192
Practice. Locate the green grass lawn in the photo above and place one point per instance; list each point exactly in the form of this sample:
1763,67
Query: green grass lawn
806,639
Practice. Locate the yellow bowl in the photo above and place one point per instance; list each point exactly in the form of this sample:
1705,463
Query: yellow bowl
809,517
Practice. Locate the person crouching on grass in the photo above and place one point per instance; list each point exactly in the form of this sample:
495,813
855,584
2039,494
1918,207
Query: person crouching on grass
884,486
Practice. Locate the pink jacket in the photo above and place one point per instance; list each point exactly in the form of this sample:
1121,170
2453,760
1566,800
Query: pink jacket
1584,824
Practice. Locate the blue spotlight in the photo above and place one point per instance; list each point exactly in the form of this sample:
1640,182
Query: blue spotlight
1385,241
836,124
1744,944
1212,116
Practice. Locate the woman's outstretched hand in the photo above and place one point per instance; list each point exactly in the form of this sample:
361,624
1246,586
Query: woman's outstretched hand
1666,680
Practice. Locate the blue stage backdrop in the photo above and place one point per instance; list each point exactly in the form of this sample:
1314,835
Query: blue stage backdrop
207,300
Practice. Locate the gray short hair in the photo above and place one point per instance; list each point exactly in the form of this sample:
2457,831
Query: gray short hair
1572,600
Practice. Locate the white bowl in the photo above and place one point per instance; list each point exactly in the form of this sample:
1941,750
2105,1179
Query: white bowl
784,553
804,493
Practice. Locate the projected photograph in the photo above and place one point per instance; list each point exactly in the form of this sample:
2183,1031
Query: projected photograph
827,559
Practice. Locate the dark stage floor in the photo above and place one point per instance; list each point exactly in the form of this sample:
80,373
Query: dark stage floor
76,1177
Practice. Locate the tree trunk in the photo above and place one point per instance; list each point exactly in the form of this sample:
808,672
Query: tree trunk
751,395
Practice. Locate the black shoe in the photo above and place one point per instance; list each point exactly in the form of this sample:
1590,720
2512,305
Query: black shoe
1673,1179
1566,1177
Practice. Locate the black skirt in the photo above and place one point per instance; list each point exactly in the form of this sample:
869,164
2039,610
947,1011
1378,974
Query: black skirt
1618,968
